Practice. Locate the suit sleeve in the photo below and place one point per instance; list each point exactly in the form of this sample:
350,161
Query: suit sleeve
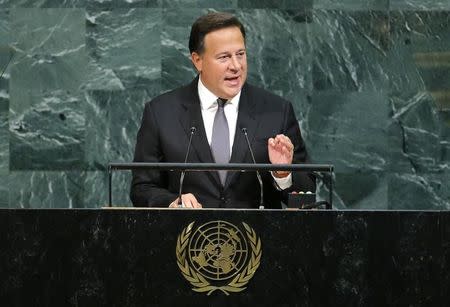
149,188
301,181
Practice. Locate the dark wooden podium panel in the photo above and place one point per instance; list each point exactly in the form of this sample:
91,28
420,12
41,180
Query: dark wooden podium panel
308,258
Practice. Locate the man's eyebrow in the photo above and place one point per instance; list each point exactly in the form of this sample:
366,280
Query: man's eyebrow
227,52
223,53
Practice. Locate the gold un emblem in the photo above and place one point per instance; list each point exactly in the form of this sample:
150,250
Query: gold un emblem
218,256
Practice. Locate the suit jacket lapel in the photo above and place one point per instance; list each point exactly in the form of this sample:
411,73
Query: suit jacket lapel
246,119
191,116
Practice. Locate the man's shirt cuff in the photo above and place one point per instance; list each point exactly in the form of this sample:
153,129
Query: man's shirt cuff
282,183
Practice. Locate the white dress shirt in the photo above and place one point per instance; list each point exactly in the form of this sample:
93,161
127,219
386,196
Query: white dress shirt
208,102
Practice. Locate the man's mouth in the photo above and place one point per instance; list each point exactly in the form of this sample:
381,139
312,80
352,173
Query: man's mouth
233,81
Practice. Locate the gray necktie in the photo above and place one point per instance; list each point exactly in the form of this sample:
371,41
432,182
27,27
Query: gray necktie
220,140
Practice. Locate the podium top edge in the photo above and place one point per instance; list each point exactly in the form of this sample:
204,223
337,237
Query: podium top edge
334,210
217,166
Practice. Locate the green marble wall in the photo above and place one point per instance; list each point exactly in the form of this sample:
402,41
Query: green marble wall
369,79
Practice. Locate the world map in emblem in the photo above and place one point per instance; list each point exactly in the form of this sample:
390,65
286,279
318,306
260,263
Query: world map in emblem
218,250
218,256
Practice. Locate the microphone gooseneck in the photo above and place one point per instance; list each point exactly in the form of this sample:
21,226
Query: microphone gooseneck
185,161
258,175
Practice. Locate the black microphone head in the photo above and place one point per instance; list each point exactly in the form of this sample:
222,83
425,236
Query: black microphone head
244,130
193,129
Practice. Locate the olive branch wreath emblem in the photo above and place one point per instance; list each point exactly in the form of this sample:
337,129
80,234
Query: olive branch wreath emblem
200,283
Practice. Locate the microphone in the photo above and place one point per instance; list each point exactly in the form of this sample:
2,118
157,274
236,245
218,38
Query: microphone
258,175
185,161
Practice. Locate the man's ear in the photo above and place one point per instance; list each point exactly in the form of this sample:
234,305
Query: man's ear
197,61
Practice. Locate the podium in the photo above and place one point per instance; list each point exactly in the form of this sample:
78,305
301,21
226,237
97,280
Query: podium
135,257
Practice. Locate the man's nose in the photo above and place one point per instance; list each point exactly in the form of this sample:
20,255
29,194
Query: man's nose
235,64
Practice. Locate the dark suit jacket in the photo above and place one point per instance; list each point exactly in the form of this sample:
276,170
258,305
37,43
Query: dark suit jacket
164,136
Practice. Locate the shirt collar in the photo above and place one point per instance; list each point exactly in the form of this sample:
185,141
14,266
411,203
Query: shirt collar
208,99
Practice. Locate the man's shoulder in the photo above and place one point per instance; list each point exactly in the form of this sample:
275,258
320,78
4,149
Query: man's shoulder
174,97
171,96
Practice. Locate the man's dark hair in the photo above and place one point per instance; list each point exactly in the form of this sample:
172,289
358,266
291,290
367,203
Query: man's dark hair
209,23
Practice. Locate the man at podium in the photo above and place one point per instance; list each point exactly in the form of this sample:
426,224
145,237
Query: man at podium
216,112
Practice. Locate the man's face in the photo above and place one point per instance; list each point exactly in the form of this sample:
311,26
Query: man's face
223,63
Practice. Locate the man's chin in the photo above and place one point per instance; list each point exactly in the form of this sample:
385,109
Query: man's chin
231,92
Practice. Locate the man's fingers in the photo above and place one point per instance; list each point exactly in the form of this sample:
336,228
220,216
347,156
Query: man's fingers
287,150
174,204
281,143
186,202
189,205
286,141
189,201
281,140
